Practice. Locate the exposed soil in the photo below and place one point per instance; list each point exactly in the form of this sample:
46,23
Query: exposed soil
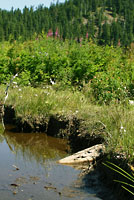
73,129
79,137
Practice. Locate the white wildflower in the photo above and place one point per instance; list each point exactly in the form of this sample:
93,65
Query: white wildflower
15,86
131,102
122,130
52,82
125,131
121,127
15,83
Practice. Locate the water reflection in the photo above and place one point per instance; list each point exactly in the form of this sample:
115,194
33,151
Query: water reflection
37,146
1,132
28,168
37,175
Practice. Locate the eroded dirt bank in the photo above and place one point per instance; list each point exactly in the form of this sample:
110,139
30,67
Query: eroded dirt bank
79,137
75,130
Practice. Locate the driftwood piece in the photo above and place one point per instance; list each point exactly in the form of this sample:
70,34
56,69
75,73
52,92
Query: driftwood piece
88,155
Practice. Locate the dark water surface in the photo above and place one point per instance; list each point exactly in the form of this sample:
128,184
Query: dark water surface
29,170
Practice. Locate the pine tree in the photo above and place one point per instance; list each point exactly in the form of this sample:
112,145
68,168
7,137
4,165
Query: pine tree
106,33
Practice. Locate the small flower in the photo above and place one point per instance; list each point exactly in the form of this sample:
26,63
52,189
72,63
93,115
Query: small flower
87,35
52,82
15,86
122,130
57,33
121,127
131,102
50,33
15,83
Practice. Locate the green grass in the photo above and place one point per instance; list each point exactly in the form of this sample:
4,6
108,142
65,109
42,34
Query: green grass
128,184
116,119
119,122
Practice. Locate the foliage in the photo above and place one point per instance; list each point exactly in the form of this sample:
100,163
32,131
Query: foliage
108,70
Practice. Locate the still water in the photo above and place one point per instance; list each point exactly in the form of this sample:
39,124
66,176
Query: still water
29,170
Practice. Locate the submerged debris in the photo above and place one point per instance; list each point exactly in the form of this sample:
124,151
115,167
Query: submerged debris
15,167
14,185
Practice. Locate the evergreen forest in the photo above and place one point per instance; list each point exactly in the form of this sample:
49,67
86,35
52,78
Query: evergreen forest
108,22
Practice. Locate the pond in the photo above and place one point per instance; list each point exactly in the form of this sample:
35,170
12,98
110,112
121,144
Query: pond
29,170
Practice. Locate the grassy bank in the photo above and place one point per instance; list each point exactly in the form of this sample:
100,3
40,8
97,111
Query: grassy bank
113,123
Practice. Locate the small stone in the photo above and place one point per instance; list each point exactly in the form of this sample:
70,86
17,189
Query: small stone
15,192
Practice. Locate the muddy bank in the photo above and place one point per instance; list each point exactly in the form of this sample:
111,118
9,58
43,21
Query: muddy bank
79,136
70,127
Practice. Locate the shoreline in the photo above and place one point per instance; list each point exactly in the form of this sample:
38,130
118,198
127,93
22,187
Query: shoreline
69,128
57,126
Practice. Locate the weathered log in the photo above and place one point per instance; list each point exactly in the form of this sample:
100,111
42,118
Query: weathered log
88,155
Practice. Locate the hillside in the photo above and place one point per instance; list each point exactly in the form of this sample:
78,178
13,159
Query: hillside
105,21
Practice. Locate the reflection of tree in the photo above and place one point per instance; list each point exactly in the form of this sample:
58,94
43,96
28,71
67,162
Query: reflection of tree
36,146
1,133
1,137
1,128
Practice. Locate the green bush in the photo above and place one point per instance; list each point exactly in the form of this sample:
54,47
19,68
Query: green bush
109,69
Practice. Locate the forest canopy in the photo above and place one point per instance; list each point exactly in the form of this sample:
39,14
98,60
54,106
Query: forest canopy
104,21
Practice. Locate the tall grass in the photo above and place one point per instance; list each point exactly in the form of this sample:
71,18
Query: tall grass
115,120
128,184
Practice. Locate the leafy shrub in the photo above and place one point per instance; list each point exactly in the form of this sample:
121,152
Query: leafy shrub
38,61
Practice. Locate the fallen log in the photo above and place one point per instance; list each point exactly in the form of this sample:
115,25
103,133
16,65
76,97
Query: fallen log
88,155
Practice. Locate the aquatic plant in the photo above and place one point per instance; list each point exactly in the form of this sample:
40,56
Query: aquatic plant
129,183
